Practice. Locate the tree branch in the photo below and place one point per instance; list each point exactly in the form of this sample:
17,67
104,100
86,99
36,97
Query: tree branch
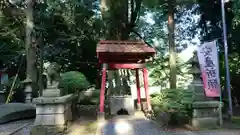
134,14
143,39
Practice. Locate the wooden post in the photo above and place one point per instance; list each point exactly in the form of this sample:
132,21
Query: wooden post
138,91
103,85
145,79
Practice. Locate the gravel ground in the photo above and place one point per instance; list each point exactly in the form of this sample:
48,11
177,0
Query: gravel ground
146,127
24,131
132,127
119,126
204,133
9,128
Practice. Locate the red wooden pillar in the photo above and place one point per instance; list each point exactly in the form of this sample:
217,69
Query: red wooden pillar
103,85
145,79
138,91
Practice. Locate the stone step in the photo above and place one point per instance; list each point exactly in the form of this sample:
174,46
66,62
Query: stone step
52,93
52,108
198,88
124,103
206,104
51,119
209,122
206,112
201,97
55,100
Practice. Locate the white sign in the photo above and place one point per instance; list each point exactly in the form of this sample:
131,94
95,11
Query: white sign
209,65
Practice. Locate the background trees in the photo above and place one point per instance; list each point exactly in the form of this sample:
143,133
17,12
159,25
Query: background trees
72,28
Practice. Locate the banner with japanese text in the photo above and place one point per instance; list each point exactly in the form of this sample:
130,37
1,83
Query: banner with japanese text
209,65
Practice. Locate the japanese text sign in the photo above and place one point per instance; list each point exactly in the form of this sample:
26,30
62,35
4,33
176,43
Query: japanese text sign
208,61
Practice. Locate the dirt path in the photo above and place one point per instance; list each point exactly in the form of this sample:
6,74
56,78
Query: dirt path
139,125
120,125
83,126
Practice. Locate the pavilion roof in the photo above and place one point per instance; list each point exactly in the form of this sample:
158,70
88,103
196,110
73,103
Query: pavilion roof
123,51
113,46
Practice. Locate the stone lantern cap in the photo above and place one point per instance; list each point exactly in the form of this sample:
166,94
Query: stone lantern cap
194,59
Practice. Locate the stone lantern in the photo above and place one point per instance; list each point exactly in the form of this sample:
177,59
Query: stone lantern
206,111
55,108
28,90
196,84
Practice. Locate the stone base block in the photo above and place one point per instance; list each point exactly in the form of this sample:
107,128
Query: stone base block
201,97
51,119
144,105
206,104
207,112
55,100
139,108
210,122
52,93
47,130
52,108
121,102
101,116
196,86
54,111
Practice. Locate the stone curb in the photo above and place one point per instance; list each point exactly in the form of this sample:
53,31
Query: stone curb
18,129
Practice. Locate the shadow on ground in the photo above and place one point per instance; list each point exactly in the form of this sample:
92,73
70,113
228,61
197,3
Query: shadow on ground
83,126
126,125
16,111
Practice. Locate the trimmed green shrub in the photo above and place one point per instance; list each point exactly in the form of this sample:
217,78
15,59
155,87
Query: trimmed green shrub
92,99
176,102
73,81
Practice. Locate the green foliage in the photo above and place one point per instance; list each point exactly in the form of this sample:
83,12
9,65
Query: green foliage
160,70
73,81
71,30
176,102
11,43
210,29
92,99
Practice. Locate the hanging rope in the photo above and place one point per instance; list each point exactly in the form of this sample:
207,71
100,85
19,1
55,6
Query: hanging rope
14,81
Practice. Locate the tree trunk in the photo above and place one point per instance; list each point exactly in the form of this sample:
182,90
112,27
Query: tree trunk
172,48
117,12
41,84
30,47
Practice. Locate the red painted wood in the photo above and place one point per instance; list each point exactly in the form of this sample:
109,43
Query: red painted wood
123,58
123,46
138,87
145,79
126,55
122,54
123,50
124,66
102,91
121,42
